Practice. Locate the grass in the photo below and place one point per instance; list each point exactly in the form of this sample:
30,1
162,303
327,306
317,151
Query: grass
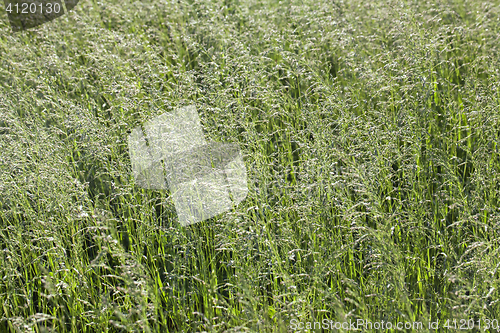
370,132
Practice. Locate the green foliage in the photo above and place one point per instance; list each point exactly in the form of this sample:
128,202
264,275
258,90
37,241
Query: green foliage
371,137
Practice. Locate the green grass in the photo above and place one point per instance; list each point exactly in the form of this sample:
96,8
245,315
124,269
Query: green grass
370,132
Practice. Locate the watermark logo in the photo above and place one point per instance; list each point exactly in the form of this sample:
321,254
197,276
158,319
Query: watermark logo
359,325
170,151
26,14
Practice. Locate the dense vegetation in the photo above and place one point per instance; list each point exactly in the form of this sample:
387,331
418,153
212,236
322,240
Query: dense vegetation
370,132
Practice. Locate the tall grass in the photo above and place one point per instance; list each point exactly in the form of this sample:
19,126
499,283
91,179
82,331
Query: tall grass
371,137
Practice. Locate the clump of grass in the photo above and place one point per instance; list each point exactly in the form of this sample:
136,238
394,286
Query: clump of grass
370,133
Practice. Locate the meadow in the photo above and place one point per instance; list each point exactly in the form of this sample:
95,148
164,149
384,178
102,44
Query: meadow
370,132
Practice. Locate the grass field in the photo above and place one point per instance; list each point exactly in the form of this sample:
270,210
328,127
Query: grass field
370,131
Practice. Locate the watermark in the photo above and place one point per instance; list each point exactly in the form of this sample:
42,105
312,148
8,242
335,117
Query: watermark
170,152
362,325
354,325
26,14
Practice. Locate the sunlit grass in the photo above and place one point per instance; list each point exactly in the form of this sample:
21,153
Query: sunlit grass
370,133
